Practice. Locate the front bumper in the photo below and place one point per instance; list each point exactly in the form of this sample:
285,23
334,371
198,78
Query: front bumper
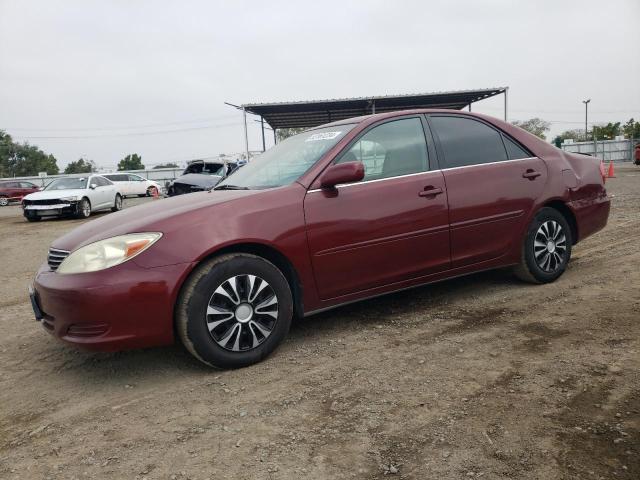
56,210
119,308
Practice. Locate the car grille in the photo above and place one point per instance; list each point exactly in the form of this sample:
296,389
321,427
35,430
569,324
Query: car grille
55,201
56,257
182,188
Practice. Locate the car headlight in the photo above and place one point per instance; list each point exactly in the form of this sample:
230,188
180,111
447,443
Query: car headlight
70,199
107,253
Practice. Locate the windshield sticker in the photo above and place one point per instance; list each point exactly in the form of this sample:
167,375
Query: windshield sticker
322,136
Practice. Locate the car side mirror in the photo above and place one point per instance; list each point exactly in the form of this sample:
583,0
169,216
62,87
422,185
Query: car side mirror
93,186
339,173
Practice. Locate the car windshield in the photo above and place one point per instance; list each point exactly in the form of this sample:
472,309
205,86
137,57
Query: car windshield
288,160
205,168
67,184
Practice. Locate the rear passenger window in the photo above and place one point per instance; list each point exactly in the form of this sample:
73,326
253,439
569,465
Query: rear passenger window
467,142
514,150
390,150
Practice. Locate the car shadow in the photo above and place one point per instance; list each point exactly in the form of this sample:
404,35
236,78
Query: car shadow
174,360
436,296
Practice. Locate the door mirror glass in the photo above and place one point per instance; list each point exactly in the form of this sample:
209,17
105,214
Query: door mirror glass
347,172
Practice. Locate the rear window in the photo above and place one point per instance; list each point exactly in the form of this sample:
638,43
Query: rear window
465,141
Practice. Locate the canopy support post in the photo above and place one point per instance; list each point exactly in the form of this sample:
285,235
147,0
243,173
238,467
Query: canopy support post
506,102
246,135
262,126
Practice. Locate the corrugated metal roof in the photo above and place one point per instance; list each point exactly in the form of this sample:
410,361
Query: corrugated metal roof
317,112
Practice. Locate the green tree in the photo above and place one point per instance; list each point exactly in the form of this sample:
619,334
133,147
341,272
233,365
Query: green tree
284,133
167,165
22,159
631,129
131,162
606,132
536,126
81,166
576,135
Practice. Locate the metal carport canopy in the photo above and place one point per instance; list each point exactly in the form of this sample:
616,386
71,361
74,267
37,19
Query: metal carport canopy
313,113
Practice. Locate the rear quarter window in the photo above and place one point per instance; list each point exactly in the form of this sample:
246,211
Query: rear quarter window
514,151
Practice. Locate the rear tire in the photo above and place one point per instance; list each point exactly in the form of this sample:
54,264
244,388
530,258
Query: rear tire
234,310
546,249
4,201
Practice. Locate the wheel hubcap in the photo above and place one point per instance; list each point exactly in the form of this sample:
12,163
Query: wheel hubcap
242,312
550,246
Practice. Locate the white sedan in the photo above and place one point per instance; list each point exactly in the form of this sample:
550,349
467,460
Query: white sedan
132,184
72,196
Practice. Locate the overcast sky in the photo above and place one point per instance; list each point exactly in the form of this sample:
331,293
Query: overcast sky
116,77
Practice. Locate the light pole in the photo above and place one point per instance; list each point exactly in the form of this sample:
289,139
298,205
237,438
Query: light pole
586,108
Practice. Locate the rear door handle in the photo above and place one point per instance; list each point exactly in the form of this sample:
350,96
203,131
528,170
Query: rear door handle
531,174
430,191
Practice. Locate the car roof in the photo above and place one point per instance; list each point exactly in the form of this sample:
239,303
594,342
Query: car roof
399,113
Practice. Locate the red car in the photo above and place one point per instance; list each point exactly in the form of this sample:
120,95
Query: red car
342,212
14,190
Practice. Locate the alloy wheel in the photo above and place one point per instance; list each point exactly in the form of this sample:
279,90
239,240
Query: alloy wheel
242,312
4,201
118,202
86,208
550,246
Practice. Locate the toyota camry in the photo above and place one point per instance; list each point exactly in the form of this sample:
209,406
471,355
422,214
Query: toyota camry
339,213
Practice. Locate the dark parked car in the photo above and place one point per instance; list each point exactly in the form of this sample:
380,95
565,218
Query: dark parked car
14,191
200,175
343,212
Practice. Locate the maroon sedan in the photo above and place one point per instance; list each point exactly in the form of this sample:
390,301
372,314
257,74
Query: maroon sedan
343,212
14,190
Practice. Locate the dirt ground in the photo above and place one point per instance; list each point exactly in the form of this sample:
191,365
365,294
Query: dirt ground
479,377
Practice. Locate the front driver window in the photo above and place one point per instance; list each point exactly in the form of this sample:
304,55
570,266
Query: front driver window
390,150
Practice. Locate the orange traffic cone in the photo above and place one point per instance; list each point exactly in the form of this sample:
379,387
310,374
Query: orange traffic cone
610,174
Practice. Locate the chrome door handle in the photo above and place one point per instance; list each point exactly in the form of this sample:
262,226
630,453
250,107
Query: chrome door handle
531,174
430,191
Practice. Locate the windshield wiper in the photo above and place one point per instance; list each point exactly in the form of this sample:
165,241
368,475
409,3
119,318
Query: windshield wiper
230,187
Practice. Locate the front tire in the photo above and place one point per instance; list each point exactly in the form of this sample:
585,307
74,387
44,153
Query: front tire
117,203
546,250
4,201
84,208
234,310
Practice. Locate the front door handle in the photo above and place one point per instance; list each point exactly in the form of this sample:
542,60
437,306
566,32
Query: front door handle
531,174
430,191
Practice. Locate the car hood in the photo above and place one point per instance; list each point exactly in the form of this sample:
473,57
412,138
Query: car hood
149,217
199,180
54,194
